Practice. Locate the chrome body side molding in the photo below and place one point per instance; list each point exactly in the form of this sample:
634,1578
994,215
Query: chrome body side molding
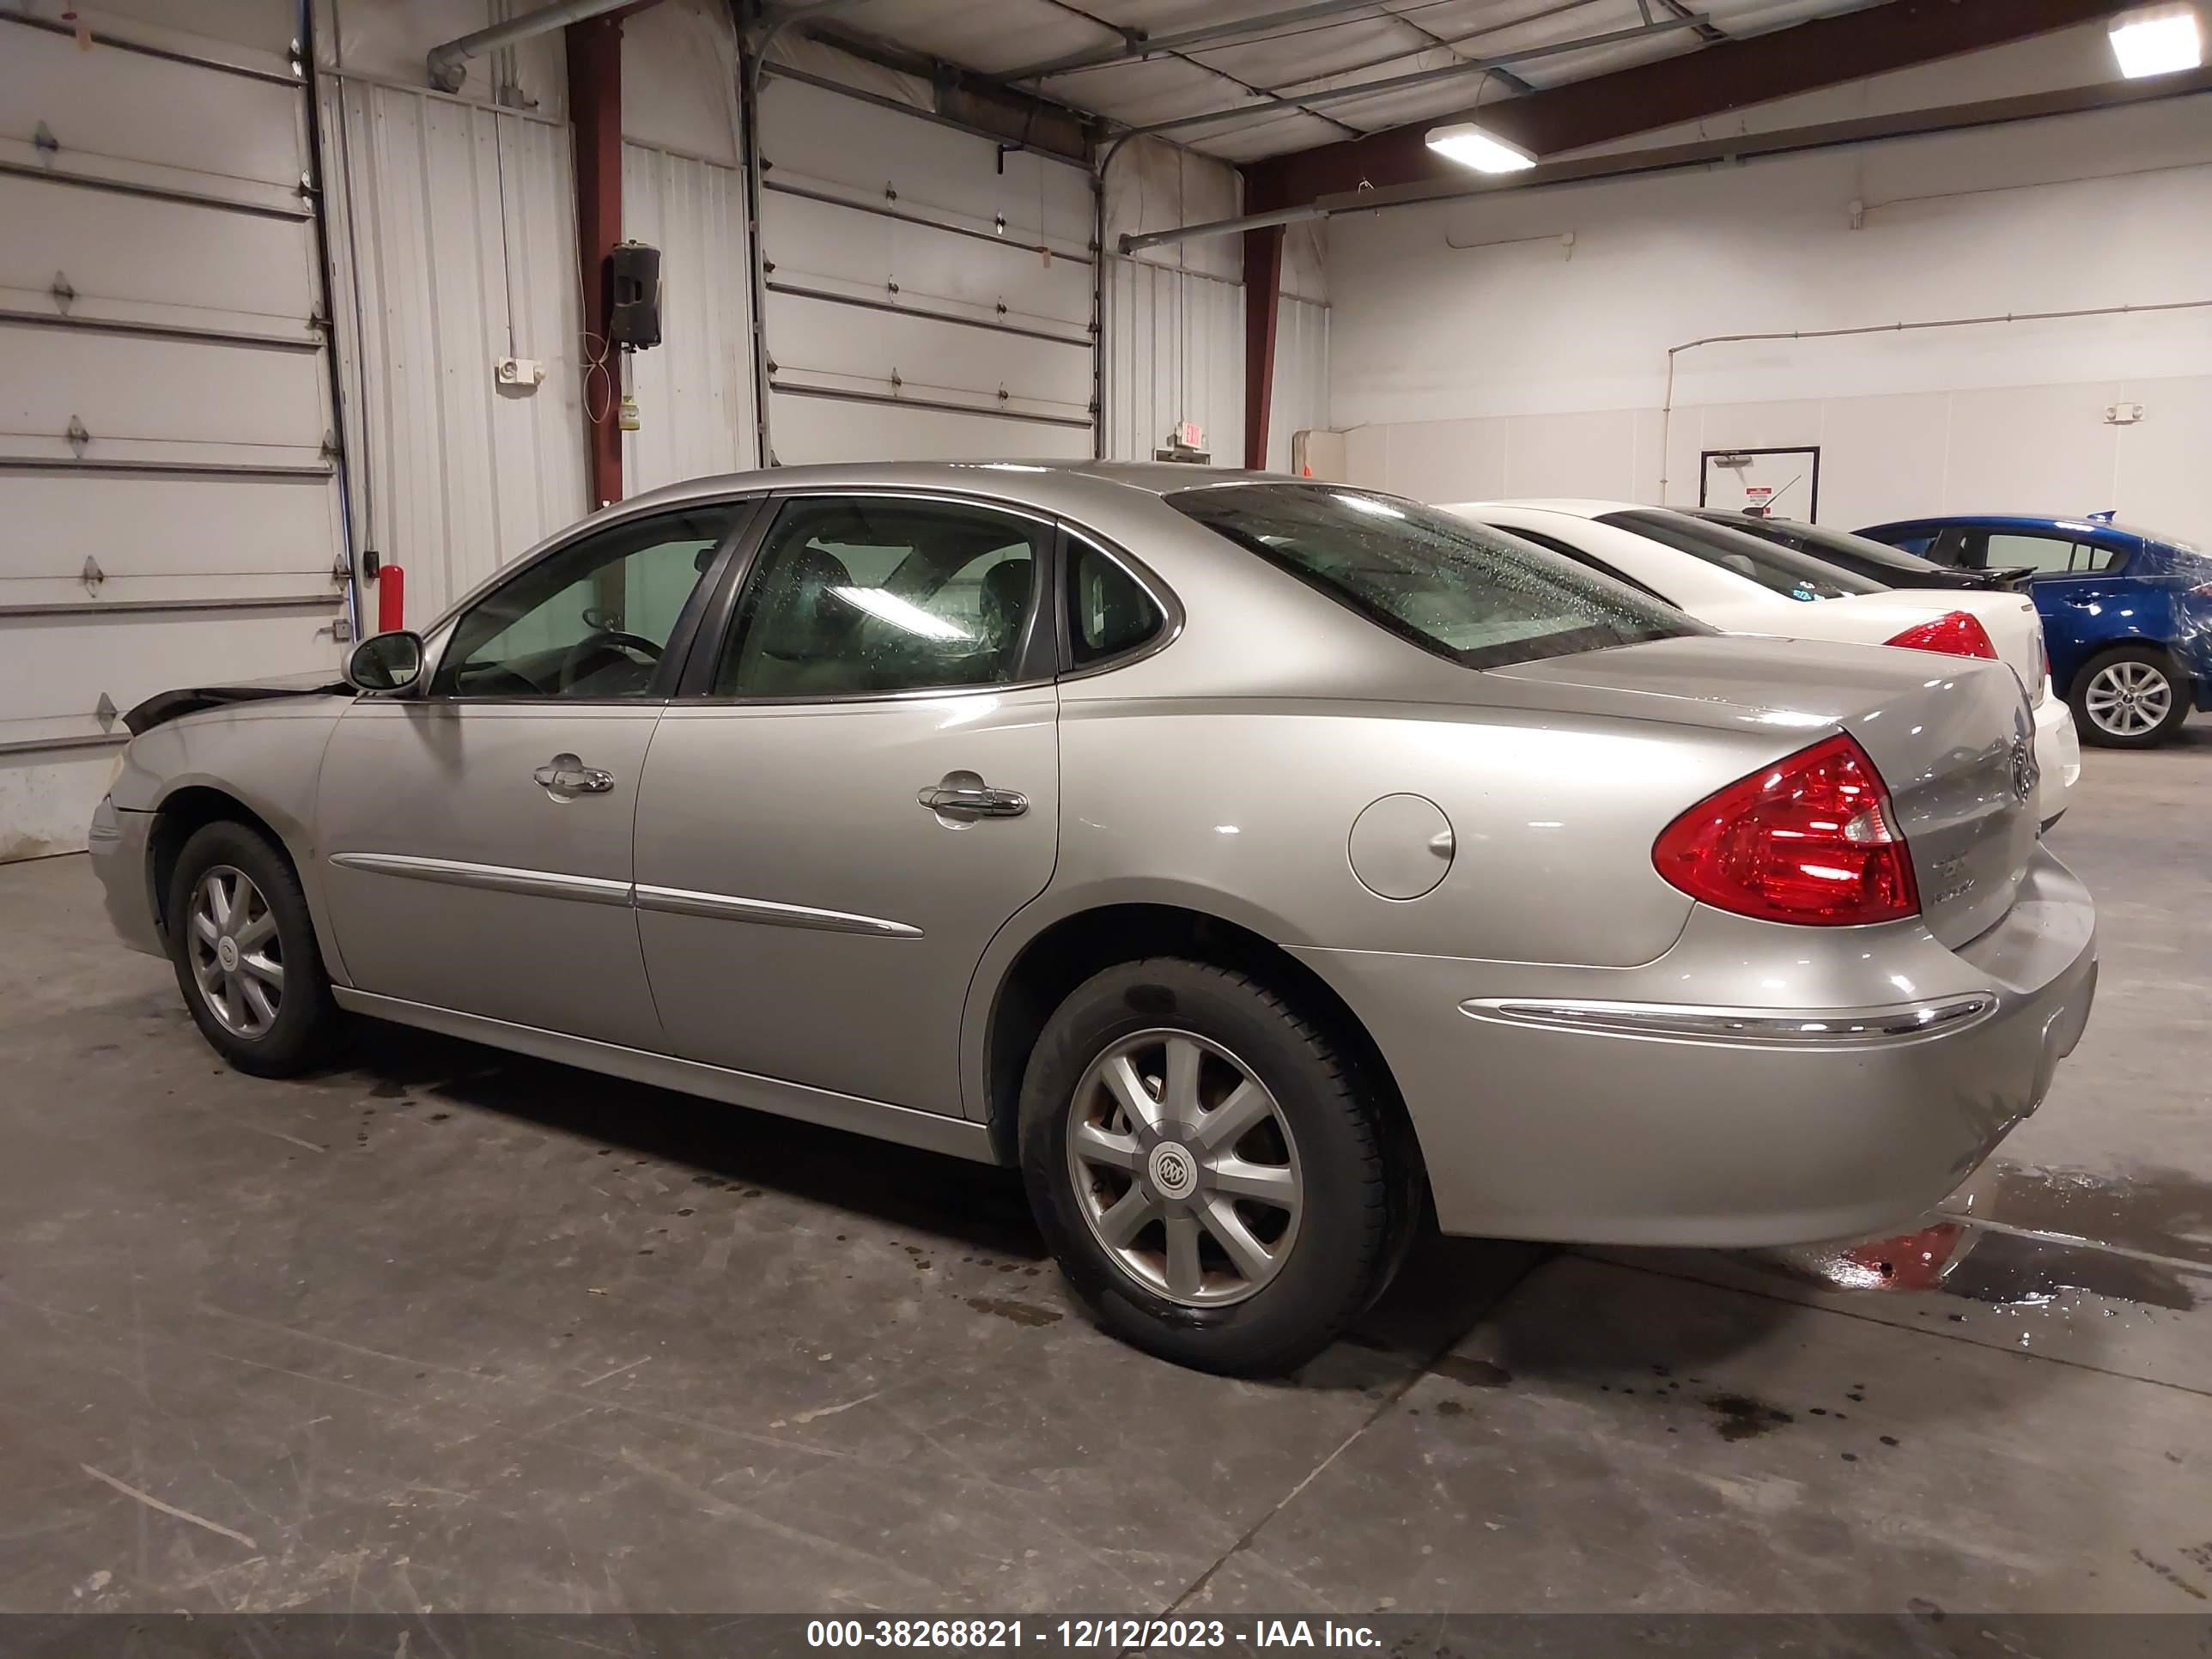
498,878
594,889
680,902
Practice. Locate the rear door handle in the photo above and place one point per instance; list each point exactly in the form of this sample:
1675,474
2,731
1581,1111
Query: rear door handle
964,796
567,777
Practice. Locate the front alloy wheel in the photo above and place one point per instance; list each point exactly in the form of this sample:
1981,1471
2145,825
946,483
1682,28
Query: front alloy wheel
1184,1168
236,956
244,945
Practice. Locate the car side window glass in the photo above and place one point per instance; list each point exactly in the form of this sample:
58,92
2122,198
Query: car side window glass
852,596
1108,611
2091,560
589,621
2046,555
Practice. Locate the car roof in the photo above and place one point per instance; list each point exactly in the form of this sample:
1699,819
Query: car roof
1017,479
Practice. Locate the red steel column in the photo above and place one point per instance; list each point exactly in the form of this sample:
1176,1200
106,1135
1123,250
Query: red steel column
595,107
1263,307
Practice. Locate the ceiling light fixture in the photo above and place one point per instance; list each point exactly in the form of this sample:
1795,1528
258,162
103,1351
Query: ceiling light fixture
2161,41
1485,152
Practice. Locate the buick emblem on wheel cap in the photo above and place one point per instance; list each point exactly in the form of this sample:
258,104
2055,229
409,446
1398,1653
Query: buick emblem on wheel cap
1173,1170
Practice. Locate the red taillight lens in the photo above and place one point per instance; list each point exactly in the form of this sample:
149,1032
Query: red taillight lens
1809,839
1955,634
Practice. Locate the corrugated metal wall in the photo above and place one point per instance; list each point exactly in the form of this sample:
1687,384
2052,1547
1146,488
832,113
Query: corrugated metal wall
1300,398
695,394
1174,352
453,240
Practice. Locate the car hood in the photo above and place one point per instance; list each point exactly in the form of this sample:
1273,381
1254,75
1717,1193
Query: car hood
166,705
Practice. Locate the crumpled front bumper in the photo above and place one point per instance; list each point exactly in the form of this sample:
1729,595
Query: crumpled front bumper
118,841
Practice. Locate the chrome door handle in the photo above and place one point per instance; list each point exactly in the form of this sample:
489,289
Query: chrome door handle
964,796
566,777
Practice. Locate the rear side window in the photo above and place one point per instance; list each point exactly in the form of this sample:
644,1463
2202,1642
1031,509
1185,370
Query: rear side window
1782,570
1108,612
1870,559
1477,596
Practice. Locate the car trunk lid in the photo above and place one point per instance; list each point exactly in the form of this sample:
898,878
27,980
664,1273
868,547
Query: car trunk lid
1951,737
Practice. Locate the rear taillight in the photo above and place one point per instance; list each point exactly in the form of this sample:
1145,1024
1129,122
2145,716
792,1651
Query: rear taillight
1954,634
1809,839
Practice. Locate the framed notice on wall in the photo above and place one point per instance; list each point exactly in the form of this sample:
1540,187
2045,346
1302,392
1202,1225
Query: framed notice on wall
1771,483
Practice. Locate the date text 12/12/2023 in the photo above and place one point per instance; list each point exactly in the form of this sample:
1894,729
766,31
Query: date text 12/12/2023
1089,1634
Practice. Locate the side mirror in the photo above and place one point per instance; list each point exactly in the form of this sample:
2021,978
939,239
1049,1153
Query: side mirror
386,662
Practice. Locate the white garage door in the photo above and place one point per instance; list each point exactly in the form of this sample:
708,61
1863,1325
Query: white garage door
929,297
169,505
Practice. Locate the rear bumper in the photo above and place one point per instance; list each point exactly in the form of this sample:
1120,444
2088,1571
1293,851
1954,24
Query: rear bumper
1638,1107
2057,757
117,840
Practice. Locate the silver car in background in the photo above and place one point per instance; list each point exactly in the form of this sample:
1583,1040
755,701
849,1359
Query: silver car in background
1252,861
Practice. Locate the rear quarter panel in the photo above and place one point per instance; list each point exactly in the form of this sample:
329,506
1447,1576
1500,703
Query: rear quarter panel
1246,808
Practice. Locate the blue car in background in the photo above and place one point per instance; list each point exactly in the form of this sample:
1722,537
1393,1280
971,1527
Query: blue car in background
2127,614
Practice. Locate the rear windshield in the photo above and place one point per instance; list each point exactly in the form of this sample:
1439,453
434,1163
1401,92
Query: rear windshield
1818,539
1786,571
1477,596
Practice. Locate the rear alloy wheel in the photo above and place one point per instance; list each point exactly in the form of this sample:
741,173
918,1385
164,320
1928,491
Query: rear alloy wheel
1216,1185
245,950
1184,1168
2128,699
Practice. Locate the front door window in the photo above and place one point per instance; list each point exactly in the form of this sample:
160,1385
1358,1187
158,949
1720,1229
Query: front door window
590,621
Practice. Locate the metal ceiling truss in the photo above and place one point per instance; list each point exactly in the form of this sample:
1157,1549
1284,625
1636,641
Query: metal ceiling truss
1728,74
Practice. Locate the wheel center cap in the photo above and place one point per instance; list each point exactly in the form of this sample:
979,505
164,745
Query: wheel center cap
226,953
1172,1170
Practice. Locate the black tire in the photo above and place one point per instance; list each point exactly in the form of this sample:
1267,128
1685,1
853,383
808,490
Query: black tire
1360,1183
306,1016
2176,693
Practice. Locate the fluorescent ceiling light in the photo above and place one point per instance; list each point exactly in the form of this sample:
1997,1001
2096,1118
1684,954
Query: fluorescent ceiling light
1471,147
2158,42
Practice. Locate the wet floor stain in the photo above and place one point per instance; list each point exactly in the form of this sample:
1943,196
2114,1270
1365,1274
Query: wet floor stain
2026,1237
2163,1213
1739,1416
2007,1271
1021,1313
1475,1373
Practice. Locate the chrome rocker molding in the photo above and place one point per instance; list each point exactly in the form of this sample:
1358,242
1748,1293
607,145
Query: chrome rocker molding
1810,1027
954,1135
594,889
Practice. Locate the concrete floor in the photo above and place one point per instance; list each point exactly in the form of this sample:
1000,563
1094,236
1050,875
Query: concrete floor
453,1331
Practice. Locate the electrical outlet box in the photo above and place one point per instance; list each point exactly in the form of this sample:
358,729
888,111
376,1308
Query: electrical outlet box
519,371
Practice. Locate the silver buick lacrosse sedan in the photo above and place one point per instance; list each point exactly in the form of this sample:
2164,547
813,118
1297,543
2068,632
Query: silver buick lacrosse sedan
1254,862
